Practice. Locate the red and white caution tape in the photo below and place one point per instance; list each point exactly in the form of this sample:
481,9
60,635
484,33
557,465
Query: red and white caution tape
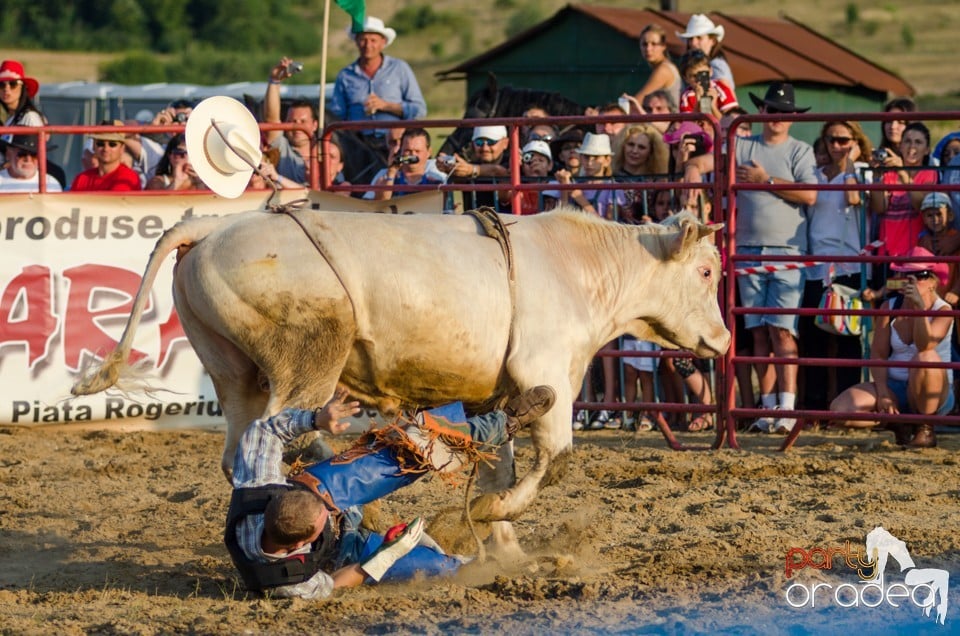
871,247
769,269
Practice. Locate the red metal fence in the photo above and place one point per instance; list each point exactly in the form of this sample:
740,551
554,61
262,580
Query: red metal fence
723,188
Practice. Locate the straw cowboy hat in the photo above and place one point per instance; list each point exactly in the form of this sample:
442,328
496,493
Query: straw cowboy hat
700,24
109,136
374,25
221,166
779,98
13,70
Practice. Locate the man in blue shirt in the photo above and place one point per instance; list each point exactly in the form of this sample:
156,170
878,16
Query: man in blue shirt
377,87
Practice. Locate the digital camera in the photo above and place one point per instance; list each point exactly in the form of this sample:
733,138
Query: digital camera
879,154
294,67
703,79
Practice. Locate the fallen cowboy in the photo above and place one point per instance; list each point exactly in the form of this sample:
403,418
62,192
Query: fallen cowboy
300,535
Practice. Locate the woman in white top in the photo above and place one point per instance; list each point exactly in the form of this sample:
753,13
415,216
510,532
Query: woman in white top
835,228
908,338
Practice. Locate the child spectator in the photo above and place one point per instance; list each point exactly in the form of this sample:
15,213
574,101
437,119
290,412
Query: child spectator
701,87
537,162
703,35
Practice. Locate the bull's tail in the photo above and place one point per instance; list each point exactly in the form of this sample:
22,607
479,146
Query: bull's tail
115,365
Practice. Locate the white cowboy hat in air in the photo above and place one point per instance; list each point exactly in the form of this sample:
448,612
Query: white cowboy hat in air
218,164
700,24
374,25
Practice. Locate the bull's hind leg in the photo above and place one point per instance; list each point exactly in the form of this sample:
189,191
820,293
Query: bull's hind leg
307,363
235,379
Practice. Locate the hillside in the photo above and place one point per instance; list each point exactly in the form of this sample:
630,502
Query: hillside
913,39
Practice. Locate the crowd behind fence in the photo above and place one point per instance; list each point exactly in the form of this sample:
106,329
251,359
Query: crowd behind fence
722,191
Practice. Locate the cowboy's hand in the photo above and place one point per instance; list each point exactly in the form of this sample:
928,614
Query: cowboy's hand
398,545
751,172
328,417
462,168
563,176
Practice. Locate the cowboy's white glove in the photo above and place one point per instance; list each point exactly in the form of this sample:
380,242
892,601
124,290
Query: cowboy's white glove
393,548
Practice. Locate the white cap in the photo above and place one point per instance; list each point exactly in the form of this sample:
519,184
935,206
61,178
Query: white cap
539,147
936,200
490,132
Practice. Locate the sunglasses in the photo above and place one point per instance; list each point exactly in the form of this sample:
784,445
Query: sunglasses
483,141
23,154
10,83
842,141
100,143
924,275
178,152
536,137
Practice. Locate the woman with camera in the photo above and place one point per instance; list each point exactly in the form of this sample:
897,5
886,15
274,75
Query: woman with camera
925,391
899,210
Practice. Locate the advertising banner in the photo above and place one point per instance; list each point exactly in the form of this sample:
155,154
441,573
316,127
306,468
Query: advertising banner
70,268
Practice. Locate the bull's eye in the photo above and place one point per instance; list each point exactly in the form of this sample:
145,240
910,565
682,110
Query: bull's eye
706,272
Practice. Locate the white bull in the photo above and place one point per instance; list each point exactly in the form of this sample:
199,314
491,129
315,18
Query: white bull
417,310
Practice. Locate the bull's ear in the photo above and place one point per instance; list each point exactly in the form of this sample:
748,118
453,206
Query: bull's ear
686,237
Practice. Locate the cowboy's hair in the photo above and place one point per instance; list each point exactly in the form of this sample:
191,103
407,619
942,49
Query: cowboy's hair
290,516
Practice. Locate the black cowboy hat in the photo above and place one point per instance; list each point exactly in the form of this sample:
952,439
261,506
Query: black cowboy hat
779,97
22,142
568,134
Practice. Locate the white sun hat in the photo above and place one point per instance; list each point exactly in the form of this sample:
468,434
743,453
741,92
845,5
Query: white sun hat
700,24
374,25
218,164
595,144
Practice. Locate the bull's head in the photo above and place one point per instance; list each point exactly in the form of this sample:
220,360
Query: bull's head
687,313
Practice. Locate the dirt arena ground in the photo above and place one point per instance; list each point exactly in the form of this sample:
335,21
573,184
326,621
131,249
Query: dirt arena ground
120,533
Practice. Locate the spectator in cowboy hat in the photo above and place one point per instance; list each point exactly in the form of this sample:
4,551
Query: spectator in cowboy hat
774,223
22,173
110,173
701,33
375,86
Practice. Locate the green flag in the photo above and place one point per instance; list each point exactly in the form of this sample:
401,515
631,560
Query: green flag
356,9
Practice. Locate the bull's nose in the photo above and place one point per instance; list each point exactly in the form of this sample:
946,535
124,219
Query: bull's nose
715,346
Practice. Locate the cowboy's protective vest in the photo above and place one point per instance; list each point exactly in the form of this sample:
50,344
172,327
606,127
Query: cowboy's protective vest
258,576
